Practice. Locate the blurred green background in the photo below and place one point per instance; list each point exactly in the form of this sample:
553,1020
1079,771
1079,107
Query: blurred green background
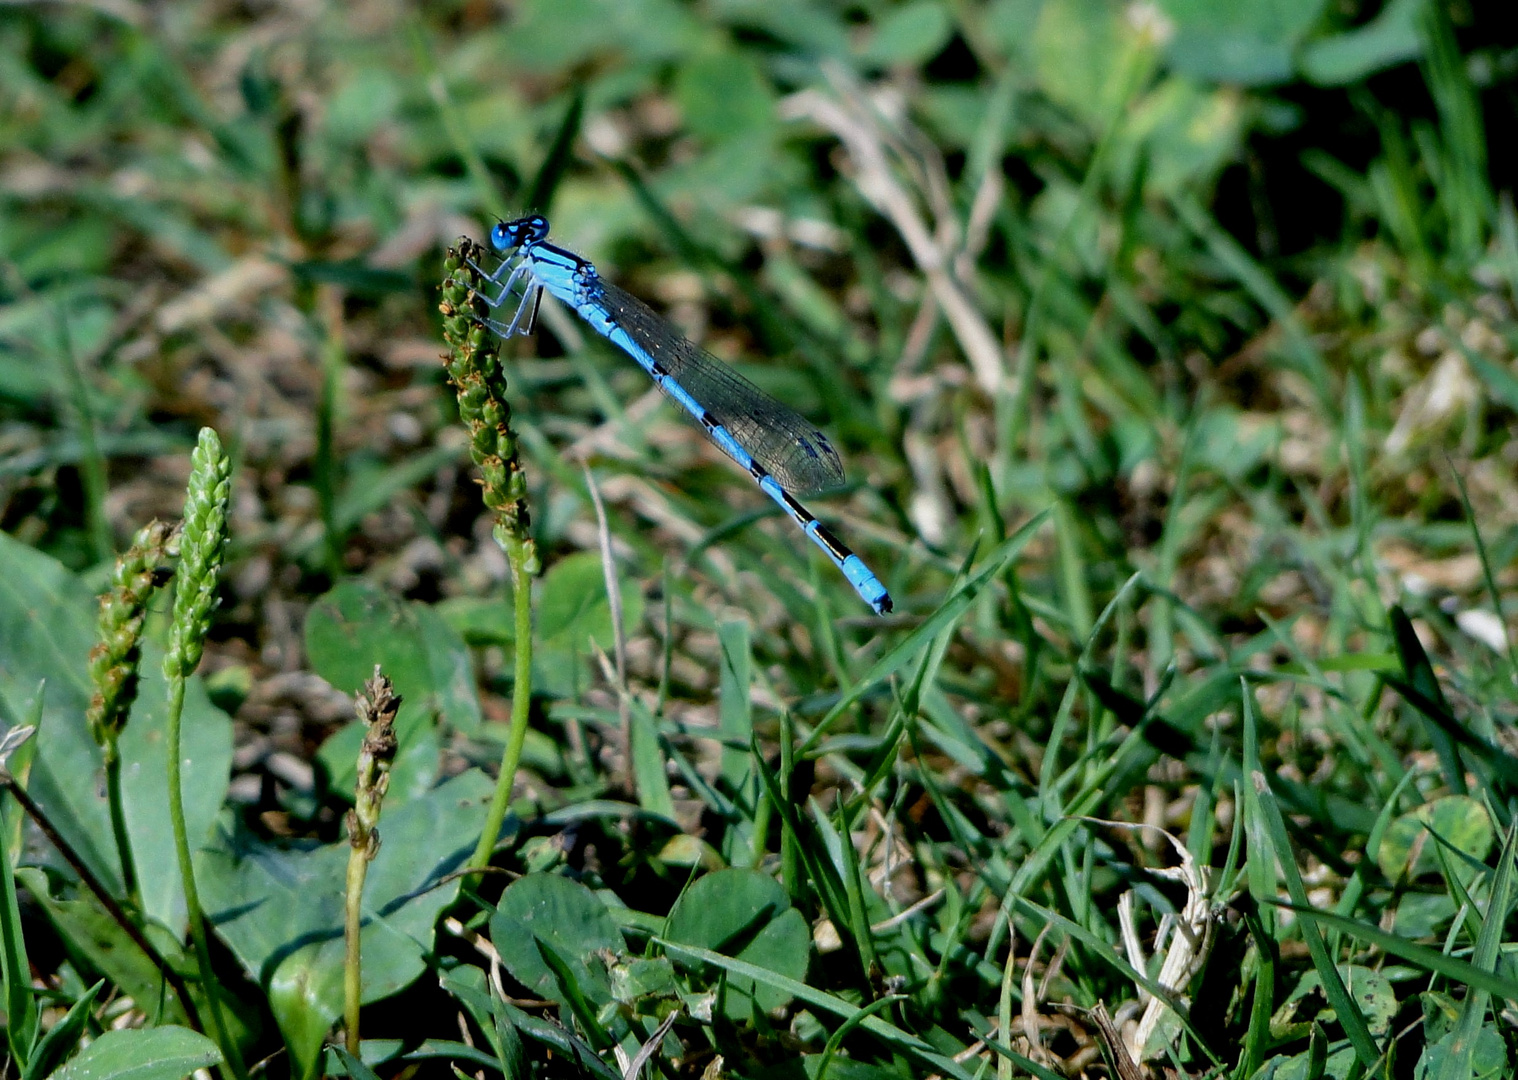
1226,288
228,215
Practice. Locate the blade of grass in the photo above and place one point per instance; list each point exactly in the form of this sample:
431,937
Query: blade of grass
811,851
1261,804
20,1003
1161,627
835,1040
1012,408
352,1065
948,613
647,762
1420,674
538,197
62,1037
92,471
583,1009
326,467
634,780
1424,956
1465,193
1258,1038
735,714
1488,578
1457,1065
891,1035
20,1032
859,920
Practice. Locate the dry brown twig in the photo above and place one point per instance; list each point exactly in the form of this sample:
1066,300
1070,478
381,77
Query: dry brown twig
902,174
880,151
1190,939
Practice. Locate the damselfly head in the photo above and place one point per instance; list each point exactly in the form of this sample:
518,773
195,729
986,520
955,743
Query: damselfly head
509,235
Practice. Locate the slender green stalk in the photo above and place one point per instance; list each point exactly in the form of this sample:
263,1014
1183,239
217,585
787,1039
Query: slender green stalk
1004,1004
334,358
759,847
377,705
474,367
790,853
201,544
114,664
521,699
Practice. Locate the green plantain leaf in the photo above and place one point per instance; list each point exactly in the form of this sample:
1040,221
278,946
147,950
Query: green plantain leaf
356,626
744,914
162,1053
47,620
566,917
281,908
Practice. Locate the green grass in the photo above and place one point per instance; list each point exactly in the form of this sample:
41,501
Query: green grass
1172,359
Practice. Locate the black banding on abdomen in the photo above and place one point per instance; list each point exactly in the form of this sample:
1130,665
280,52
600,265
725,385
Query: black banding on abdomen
835,546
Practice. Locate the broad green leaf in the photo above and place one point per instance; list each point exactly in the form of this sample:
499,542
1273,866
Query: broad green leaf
1407,848
745,914
633,978
280,908
573,613
1084,52
909,35
1297,1067
47,620
1011,23
479,620
161,1053
356,626
1249,43
1486,1059
362,105
1420,915
566,917
1390,38
413,771
1186,133
1370,990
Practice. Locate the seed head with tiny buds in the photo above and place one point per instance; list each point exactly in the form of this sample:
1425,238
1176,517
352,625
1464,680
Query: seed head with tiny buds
201,543
117,655
474,368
